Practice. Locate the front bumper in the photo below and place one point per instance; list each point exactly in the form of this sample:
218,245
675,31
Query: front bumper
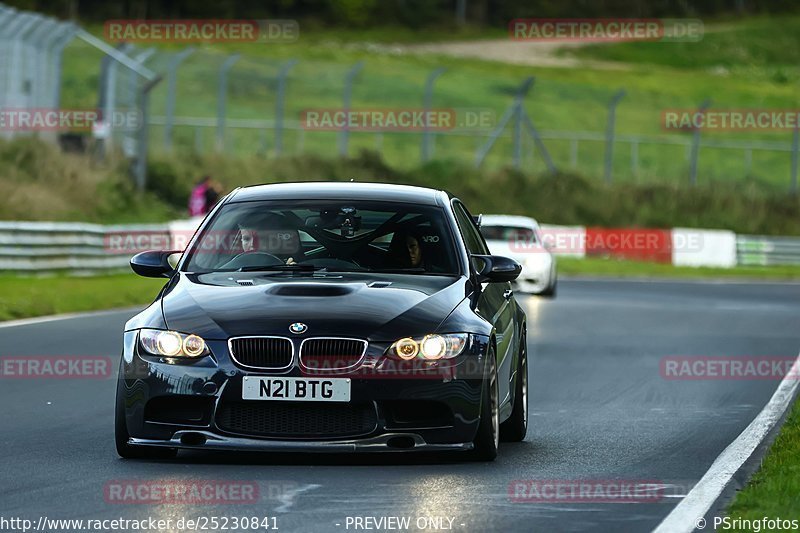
177,405
534,279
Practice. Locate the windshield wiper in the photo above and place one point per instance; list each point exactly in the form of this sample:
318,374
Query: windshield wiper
412,270
281,268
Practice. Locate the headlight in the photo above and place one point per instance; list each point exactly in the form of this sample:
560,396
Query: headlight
172,344
429,347
538,262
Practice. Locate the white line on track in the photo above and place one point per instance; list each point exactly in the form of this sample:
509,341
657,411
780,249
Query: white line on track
696,504
687,281
65,316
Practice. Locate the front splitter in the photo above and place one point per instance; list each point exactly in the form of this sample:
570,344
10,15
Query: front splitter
188,440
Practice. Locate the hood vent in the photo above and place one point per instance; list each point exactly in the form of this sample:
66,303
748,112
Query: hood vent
310,289
379,284
245,282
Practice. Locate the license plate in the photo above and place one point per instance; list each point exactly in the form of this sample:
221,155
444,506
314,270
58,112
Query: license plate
296,389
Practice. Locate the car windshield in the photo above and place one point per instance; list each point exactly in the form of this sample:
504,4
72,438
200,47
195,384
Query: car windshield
341,236
508,233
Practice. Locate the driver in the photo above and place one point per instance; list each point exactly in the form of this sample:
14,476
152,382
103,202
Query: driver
267,234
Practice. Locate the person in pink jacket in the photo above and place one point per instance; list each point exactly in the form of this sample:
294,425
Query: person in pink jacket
203,197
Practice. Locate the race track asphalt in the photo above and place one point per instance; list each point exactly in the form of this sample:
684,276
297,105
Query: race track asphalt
601,410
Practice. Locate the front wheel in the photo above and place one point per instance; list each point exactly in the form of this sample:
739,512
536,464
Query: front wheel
516,427
550,291
487,440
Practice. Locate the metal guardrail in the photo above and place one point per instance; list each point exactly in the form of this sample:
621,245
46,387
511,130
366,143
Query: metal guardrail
65,247
78,248
763,250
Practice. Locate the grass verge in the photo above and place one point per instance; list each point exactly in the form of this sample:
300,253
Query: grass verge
22,297
774,489
641,269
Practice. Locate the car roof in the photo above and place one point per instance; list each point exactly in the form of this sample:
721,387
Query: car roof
339,191
512,220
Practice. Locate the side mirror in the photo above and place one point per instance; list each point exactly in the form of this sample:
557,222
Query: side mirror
496,268
155,263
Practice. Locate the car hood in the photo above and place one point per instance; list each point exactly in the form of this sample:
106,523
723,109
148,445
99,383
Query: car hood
217,306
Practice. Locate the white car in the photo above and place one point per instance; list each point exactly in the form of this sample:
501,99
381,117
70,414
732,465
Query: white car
520,238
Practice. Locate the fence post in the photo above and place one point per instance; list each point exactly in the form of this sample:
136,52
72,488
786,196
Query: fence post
279,104
518,112
172,82
427,135
222,96
573,153
58,62
132,140
612,116
512,111
25,22
108,95
142,152
795,142
539,143
42,39
516,157
748,161
696,144
348,93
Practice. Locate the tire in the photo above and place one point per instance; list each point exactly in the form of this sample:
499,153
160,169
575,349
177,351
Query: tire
550,292
487,439
516,427
121,436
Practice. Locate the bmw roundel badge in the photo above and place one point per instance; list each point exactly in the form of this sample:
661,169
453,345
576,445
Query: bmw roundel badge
297,328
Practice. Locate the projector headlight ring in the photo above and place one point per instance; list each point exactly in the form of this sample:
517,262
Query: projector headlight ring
430,347
171,344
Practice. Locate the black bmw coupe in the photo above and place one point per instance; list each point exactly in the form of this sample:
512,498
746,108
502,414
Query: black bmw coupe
328,317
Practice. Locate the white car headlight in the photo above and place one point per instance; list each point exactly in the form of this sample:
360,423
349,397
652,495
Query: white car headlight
429,347
538,261
172,344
